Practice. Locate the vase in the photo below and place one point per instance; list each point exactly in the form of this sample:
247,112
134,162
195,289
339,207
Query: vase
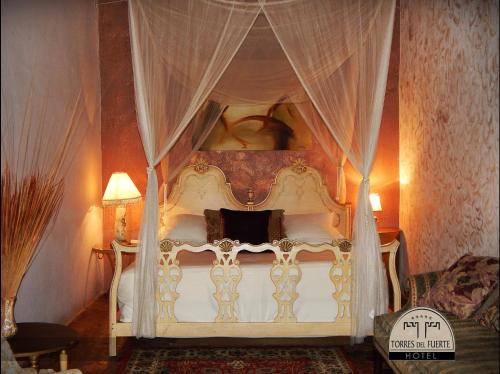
9,327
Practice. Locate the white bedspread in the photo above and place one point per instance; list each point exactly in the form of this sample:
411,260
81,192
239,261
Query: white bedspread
255,303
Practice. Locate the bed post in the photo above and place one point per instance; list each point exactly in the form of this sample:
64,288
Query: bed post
392,249
113,297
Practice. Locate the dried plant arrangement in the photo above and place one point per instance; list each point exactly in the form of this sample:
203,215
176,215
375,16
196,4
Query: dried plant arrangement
27,208
32,192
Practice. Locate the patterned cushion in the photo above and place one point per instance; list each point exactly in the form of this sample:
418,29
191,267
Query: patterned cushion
464,286
487,314
418,284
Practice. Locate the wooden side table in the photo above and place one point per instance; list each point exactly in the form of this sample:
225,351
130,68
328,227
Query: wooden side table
388,234
103,251
109,251
34,339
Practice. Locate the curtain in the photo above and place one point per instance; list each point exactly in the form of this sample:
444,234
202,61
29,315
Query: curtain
183,150
330,58
260,72
180,48
328,144
258,75
340,195
194,136
49,84
50,153
340,51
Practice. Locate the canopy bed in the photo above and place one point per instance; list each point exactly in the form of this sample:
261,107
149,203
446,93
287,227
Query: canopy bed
296,286
193,58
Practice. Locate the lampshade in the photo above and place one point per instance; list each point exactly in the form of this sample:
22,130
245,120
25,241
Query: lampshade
375,202
120,190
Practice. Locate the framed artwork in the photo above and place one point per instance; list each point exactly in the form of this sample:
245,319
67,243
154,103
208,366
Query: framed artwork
259,127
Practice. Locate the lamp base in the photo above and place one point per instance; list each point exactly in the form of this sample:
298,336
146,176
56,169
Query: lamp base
120,223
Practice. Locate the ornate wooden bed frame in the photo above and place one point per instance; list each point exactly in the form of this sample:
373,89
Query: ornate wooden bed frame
298,189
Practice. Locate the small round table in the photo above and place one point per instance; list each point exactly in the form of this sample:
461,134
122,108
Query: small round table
36,338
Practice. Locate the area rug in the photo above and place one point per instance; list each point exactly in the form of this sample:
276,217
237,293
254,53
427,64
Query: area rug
264,360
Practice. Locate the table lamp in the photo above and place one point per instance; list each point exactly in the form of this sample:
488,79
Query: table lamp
375,203
120,191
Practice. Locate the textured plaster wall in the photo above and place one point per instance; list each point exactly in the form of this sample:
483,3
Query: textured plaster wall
449,130
65,276
122,148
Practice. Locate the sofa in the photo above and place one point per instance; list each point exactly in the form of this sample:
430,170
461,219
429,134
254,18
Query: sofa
476,340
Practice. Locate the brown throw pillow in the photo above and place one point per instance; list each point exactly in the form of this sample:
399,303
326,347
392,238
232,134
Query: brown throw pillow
215,225
246,226
275,229
464,286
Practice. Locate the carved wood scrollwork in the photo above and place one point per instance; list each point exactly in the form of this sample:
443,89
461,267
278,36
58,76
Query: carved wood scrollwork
226,275
340,275
169,276
285,275
299,166
201,166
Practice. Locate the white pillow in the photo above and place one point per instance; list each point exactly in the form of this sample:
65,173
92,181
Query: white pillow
188,228
312,228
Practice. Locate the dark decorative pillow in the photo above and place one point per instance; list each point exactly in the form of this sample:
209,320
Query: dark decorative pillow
275,229
215,225
487,314
464,286
246,226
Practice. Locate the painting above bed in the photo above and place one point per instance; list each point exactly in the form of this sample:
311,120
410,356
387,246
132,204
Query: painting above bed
259,128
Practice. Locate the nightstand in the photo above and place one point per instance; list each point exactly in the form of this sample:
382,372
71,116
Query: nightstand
388,234
103,251
109,251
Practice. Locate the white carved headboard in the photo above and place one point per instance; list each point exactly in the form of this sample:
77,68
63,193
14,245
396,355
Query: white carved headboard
298,189
199,187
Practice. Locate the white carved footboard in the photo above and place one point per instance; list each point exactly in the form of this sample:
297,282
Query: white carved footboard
225,273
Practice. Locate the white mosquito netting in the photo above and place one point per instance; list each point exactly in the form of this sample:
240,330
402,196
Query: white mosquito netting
192,58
